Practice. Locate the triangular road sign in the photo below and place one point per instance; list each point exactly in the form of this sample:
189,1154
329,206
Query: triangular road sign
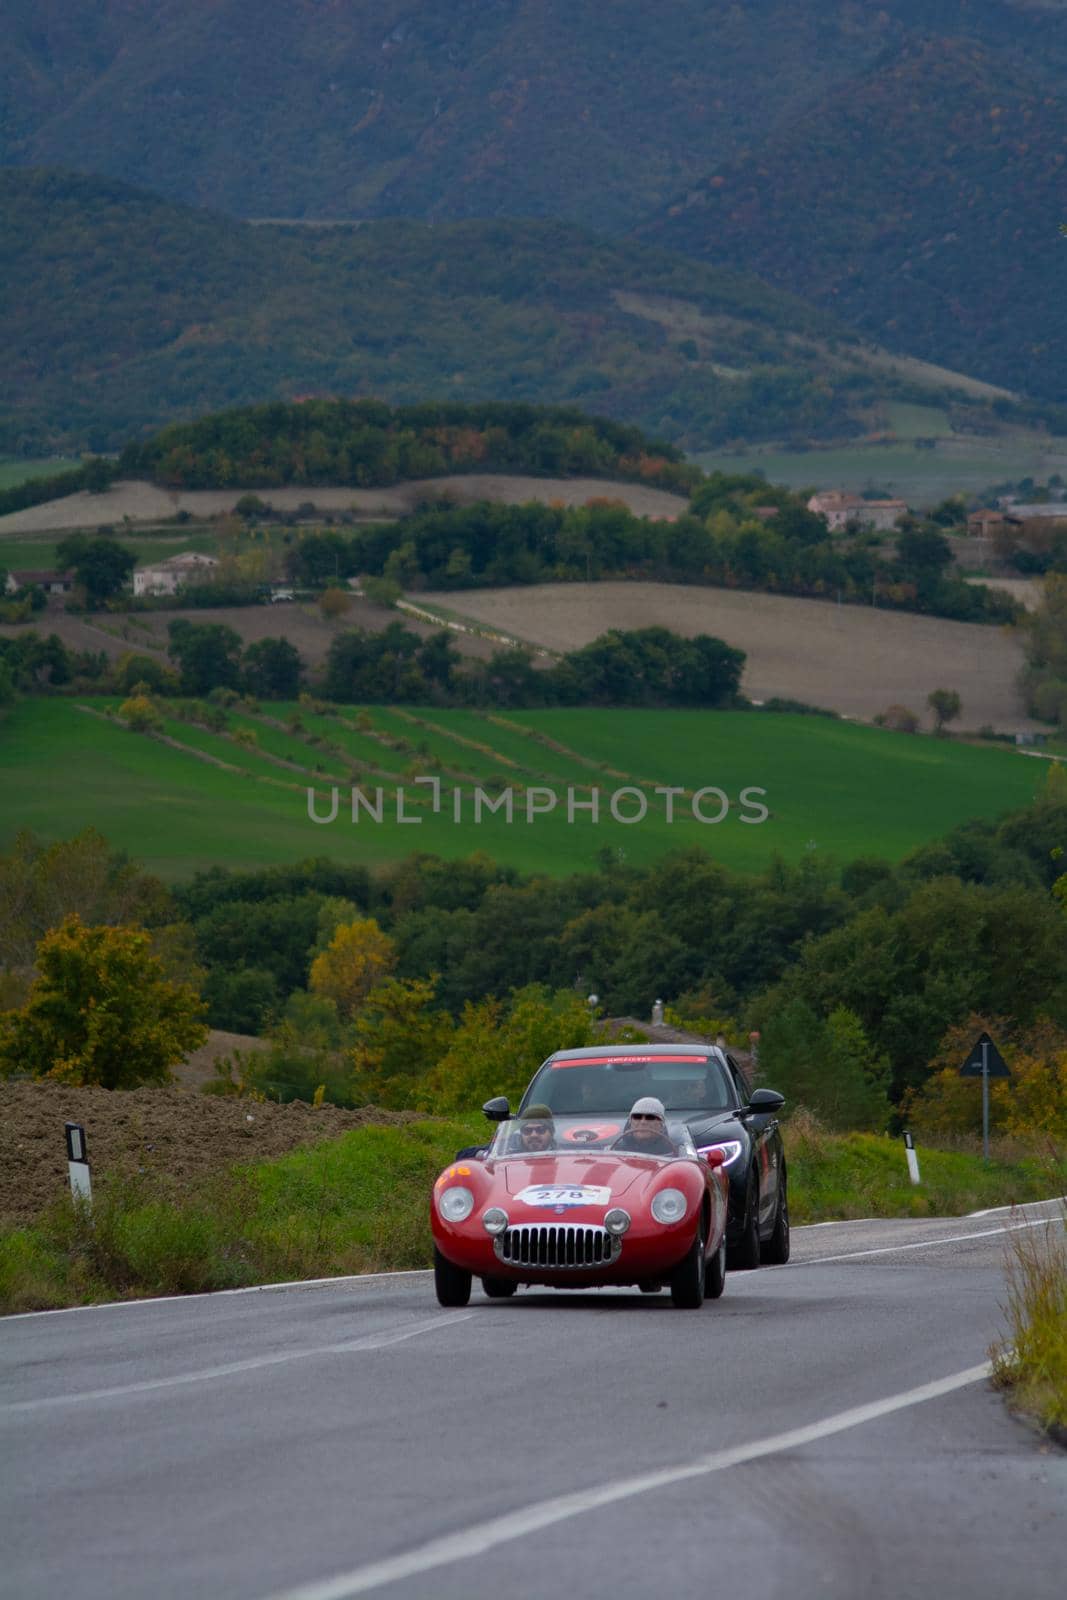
972,1067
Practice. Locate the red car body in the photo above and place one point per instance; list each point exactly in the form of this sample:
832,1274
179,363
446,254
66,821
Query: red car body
555,1204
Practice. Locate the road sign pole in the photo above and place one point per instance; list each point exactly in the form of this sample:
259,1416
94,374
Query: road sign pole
985,1100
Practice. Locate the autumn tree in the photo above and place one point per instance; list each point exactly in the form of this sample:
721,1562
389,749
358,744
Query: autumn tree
101,1011
358,958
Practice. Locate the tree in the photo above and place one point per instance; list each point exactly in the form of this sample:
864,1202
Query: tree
207,654
271,669
946,706
399,1038
334,602
140,715
101,1011
359,957
102,565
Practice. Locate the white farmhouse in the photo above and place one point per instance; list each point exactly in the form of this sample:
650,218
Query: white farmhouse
167,577
840,508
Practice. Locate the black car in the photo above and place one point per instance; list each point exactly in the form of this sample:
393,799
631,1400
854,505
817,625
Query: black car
704,1087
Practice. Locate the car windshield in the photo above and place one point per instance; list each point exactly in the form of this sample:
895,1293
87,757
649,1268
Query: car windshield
554,1136
612,1082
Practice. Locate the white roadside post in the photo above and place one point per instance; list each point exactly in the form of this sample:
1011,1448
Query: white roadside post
81,1187
913,1159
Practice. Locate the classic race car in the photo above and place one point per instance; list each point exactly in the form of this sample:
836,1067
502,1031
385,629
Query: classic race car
552,1202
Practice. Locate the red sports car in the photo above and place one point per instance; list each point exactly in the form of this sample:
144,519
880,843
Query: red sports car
562,1205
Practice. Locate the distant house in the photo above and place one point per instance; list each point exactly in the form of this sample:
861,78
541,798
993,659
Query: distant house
981,524
1015,512
42,578
167,577
839,507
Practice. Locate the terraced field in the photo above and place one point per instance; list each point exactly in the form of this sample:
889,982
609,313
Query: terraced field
239,797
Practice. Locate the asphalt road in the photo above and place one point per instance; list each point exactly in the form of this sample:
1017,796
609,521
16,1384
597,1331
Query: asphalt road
825,1430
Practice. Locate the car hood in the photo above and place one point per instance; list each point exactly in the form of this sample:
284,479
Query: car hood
614,1175
705,1126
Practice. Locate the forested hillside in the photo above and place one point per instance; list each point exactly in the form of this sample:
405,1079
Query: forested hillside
124,311
921,203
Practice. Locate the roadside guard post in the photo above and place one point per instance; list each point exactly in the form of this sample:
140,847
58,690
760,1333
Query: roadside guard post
985,1061
78,1163
913,1159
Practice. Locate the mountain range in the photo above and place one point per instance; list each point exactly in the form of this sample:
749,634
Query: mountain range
902,165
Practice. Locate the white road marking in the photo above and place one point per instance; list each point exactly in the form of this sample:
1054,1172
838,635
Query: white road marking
927,1244
222,1294
475,1541
372,1341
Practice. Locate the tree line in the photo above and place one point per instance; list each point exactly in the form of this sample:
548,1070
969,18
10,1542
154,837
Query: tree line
433,983
367,442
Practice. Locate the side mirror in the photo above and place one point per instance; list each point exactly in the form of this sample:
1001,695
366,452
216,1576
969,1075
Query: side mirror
765,1102
471,1152
497,1110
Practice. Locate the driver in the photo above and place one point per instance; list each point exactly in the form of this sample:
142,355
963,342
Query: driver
646,1129
538,1131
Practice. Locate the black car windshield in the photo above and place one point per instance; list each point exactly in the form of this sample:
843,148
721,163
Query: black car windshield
555,1136
612,1082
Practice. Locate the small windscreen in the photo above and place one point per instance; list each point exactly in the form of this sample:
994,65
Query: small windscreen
611,1083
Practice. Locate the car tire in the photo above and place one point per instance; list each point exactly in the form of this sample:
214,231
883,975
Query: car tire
745,1256
453,1285
715,1272
499,1288
776,1250
687,1279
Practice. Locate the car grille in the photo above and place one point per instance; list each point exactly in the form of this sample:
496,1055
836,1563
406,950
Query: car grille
561,1246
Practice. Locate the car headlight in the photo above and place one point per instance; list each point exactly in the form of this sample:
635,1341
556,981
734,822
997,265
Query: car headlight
669,1205
455,1204
617,1220
495,1220
731,1149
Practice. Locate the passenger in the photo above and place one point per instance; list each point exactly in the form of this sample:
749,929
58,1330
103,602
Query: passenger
538,1131
646,1129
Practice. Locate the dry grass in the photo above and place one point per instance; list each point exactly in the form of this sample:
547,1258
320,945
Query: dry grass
1032,1361
855,660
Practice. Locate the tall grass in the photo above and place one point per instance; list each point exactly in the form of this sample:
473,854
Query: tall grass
1032,1360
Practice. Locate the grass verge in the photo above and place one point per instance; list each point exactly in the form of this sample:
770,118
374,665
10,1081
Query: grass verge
354,1204
1031,1362
838,1176
360,1204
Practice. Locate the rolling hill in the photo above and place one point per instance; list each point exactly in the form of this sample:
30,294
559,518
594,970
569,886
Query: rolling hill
920,203
124,312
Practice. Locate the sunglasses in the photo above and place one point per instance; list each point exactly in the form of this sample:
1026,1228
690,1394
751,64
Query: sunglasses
645,1116
537,1128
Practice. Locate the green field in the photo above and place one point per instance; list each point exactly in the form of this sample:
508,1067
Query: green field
922,476
14,471
833,787
38,550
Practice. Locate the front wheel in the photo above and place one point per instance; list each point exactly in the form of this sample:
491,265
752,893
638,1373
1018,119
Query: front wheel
746,1253
499,1288
715,1272
687,1279
453,1285
776,1250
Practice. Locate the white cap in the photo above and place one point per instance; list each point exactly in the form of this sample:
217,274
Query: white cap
650,1106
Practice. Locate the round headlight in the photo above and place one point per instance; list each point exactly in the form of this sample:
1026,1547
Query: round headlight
617,1220
494,1220
455,1204
669,1205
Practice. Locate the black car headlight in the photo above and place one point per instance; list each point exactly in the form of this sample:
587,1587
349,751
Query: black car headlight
731,1149
617,1221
